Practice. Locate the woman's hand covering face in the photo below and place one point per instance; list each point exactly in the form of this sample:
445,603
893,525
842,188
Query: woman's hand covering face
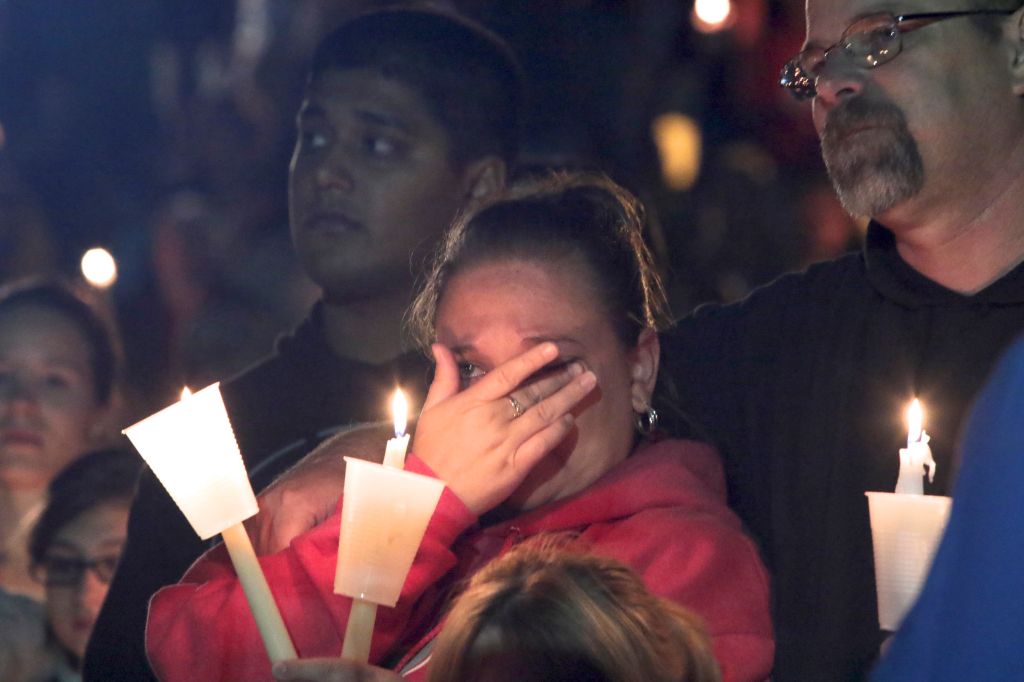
474,440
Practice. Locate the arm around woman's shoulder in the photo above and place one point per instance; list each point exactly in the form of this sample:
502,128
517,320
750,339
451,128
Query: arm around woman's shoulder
202,629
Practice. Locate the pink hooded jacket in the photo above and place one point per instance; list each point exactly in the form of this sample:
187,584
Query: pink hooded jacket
662,512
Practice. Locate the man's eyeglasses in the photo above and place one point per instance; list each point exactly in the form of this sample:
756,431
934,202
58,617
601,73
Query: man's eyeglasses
60,571
868,42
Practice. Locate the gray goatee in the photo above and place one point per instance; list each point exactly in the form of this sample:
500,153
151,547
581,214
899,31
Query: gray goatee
870,155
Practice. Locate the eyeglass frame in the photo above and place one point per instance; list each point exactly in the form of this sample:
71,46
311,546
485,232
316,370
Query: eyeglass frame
801,85
102,567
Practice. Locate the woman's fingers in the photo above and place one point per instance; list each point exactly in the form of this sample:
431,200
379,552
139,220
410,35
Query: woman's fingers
544,426
533,392
505,378
541,443
552,408
475,442
446,376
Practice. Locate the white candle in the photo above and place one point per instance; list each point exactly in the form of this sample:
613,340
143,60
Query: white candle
363,614
917,455
394,453
257,593
191,448
359,631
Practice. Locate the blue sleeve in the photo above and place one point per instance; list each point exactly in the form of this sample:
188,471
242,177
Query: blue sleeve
968,623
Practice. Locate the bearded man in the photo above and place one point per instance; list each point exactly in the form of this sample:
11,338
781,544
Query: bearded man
804,384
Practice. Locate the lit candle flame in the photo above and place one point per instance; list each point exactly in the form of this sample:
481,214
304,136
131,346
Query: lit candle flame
400,411
915,421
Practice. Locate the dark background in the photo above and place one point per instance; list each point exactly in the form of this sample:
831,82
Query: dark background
161,130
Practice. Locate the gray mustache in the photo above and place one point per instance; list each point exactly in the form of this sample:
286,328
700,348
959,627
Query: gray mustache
858,113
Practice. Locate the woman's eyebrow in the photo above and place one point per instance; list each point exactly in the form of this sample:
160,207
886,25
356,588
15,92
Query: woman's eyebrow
560,341
462,348
58,360
65,362
557,340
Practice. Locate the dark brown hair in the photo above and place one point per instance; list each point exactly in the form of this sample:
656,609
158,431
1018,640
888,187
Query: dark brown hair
96,478
559,217
468,76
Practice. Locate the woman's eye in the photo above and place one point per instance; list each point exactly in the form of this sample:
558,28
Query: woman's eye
468,369
469,373
105,567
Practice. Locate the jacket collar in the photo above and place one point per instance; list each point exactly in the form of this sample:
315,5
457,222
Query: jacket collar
669,473
890,275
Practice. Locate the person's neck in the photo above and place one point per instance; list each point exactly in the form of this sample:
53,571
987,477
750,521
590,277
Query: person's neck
16,502
20,506
967,248
368,330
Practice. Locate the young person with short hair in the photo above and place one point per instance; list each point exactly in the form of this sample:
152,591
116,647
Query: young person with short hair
409,113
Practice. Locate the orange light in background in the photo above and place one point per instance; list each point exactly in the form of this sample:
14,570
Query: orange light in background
99,268
710,16
185,392
678,140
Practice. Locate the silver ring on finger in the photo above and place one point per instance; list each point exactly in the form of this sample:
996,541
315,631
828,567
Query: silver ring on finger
517,407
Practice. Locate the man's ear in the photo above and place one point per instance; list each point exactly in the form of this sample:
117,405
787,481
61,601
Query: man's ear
483,177
644,371
1017,38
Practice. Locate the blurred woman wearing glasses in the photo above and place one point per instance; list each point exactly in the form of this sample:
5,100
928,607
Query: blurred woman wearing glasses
74,551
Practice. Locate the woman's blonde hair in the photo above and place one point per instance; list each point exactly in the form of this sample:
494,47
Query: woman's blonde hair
547,611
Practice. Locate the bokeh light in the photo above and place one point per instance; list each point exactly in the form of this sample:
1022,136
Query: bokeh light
678,140
99,268
710,16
